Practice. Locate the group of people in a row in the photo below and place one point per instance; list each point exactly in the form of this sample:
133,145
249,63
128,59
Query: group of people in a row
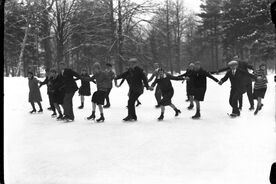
61,87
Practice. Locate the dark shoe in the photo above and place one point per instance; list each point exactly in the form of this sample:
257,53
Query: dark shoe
68,120
49,108
80,107
187,100
128,118
33,111
233,115
92,117
60,117
138,103
101,119
240,108
54,114
196,116
161,117
106,106
157,106
190,107
251,108
177,112
40,110
261,106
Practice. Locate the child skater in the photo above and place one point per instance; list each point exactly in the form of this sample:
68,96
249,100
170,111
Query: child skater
164,82
34,93
260,86
157,94
58,92
84,89
199,86
111,76
98,96
189,85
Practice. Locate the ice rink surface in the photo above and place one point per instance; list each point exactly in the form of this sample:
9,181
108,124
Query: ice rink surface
212,150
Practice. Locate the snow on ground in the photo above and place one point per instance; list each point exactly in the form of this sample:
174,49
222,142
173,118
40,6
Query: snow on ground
215,149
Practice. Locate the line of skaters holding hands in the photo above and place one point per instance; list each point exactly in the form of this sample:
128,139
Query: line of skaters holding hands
62,87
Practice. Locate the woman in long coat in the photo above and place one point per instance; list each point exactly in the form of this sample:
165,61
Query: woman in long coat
34,93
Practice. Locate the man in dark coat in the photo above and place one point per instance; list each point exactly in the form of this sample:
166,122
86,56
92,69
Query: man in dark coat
70,87
272,177
137,81
243,66
238,79
199,85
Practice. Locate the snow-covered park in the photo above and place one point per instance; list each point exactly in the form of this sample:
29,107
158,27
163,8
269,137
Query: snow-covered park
213,150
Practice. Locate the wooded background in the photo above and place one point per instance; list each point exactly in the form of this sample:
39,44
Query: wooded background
41,33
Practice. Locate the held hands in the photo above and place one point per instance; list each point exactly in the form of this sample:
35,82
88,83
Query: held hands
150,88
220,82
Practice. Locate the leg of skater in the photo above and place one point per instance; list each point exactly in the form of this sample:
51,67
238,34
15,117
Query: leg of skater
177,111
259,105
52,105
158,96
60,115
107,105
191,106
240,102
82,102
161,117
40,107
101,119
33,106
92,116
68,106
131,106
197,115
250,95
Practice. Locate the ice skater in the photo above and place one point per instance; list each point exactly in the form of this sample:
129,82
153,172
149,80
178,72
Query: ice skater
243,66
98,97
238,85
58,92
157,94
70,88
34,93
189,85
198,79
137,82
164,81
111,76
260,86
49,82
84,89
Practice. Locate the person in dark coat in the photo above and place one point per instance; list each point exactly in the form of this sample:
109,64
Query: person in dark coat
111,76
189,85
199,85
137,81
243,66
58,92
101,79
121,83
84,89
70,88
157,94
272,176
49,82
34,93
165,85
238,85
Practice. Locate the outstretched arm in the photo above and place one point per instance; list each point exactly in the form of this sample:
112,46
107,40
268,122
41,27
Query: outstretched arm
211,77
171,77
44,82
226,76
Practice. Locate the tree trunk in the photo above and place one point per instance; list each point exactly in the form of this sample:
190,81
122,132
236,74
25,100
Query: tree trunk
169,62
120,39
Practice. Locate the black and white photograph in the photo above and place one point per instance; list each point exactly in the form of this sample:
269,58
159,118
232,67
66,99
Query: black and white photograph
139,91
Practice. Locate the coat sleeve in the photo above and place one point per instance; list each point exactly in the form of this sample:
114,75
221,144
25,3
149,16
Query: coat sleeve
178,78
44,82
144,78
183,75
226,76
154,82
122,76
151,77
211,76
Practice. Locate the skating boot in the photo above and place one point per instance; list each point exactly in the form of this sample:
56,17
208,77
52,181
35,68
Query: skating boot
106,106
33,111
54,114
129,118
157,106
251,108
81,106
161,117
138,103
60,117
92,117
101,119
49,108
197,115
40,111
177,112
191,106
